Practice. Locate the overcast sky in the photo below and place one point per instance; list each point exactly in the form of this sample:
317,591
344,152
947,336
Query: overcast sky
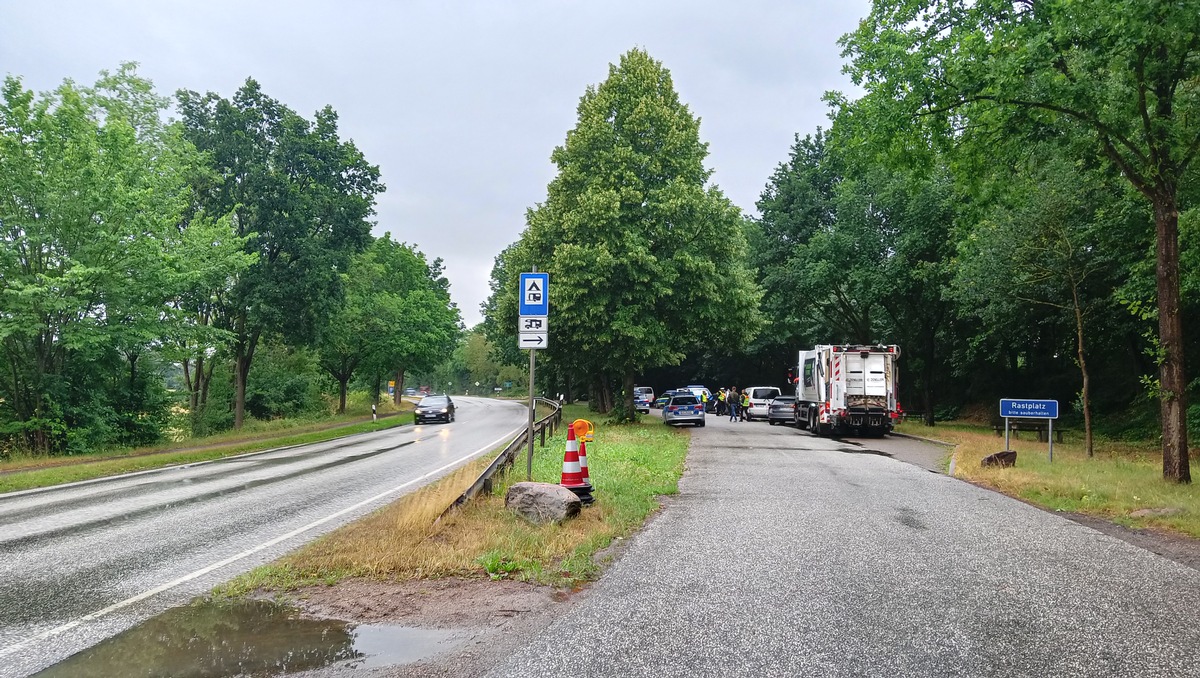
461,103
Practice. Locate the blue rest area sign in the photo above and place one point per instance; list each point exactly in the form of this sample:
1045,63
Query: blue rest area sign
534,298
1043,409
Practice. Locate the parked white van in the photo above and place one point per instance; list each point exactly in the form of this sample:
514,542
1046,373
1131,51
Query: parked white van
760,398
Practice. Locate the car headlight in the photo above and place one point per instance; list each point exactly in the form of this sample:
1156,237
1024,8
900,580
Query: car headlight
444,410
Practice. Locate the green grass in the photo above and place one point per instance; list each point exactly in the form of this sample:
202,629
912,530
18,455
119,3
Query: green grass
631,467
24,474
1119,480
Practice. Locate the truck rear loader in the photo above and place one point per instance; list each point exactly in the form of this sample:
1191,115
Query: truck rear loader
847,389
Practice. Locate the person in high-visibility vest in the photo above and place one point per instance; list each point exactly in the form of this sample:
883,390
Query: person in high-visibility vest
745,404
704,401
720,402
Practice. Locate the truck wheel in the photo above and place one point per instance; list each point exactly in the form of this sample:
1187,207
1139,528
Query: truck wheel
813,425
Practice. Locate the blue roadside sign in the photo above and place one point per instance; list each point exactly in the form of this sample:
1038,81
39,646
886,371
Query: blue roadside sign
535,299
1013,407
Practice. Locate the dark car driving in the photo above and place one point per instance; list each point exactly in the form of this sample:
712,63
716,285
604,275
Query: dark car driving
435,408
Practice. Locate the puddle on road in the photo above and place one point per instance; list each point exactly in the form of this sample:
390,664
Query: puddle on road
248,638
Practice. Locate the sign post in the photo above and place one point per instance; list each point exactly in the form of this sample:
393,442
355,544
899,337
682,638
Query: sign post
1037,409
532,334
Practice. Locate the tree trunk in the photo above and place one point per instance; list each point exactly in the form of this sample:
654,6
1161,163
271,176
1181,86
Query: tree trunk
396,399
241,370
342,394
1087,399
193,389
625,411
1172,377
927,371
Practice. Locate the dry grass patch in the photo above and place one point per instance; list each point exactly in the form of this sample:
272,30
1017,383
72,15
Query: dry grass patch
1122,482
632,467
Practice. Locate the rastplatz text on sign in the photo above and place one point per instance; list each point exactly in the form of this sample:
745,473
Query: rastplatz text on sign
1016,407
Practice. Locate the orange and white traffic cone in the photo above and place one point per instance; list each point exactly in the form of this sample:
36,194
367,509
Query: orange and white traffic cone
583,469
572,473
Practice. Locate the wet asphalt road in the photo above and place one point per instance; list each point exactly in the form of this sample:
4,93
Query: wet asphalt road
81,563
789,555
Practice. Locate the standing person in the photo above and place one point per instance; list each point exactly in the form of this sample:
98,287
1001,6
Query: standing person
745,404
720,402
732,399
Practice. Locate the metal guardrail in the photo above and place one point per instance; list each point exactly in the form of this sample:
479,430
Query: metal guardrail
508,455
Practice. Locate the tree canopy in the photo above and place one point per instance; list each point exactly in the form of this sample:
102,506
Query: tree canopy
646,260
299,195
1120,72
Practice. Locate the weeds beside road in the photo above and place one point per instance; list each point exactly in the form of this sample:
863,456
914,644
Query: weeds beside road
1123,482
631,466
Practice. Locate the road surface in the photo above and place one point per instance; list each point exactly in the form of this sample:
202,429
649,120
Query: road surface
785,554
80,563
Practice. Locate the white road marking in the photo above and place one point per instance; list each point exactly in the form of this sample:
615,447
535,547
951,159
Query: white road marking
248,552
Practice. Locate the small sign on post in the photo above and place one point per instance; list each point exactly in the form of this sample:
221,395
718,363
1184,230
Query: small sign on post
533,307
535,299
1036,409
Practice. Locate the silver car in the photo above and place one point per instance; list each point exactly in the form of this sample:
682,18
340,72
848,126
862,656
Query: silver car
683,408
781,410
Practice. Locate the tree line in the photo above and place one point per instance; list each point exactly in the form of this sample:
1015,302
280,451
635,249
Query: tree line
1012,200
149,263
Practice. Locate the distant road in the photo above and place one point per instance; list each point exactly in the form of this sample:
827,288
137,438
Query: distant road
788,555
83,562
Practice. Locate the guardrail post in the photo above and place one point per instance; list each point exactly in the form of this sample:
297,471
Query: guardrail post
543,436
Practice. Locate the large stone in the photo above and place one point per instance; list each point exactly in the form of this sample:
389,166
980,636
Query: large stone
542,502
1002,458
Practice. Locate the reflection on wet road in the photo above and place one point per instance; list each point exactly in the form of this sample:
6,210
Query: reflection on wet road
237,638
81,563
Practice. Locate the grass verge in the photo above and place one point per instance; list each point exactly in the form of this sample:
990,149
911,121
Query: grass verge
631,467
1120,480
25,474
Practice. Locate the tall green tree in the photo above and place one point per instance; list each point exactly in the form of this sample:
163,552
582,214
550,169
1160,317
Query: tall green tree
210,258
299,195
397,317
850,249
1122,72
646,260
797,202
93,185
1039,244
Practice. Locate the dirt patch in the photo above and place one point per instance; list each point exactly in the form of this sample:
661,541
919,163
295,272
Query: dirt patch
493,618
428,603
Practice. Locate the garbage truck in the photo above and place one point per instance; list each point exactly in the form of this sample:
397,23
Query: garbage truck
847,389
